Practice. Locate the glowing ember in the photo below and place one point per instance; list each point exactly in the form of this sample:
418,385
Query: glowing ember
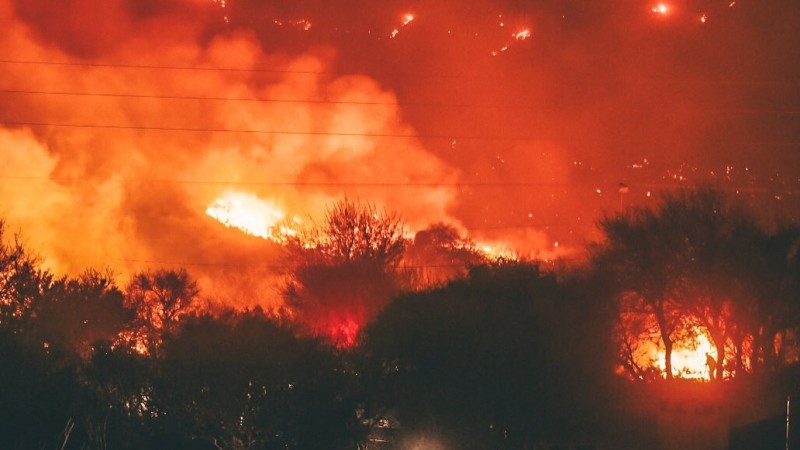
300,24
502,50
661,8
408,18
250,214
522,35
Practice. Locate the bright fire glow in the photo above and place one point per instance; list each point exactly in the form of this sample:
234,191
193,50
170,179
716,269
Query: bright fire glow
661,8
690,359
250,214
344,332
495,251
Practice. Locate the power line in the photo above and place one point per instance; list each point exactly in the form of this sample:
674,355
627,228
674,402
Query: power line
393,185
338,102
453,137
122,65
259,99
164,67
277,132
208,98
307,183
268,266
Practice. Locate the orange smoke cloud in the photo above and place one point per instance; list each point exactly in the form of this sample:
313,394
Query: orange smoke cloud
139,124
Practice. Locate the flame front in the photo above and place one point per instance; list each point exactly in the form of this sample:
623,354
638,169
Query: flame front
690,358
250,214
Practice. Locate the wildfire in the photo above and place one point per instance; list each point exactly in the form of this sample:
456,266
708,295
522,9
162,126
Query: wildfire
690,358
343,332
495,251
251,214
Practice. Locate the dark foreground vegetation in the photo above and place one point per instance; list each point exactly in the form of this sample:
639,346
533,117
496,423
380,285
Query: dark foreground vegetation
504,355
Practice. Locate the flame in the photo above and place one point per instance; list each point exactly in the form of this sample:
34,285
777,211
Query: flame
661,9
252,215
691,357
496,251
343,332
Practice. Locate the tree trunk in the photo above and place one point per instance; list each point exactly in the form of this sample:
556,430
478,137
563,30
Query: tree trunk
739,348
720,369
662,327
667,355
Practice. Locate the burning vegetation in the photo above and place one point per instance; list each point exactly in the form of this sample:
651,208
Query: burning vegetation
339,225
667,295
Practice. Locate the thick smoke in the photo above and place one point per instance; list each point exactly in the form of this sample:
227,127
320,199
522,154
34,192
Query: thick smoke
120,172
455,119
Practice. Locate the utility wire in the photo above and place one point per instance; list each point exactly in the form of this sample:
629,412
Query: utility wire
454,137
404,185
309,183
276,132
655,81
337,102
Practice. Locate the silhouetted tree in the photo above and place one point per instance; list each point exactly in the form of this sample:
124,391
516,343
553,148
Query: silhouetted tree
22,281
437,255
639,254
38,395
160,298
502,359
119,387
246,382
344,270
79,313
699,260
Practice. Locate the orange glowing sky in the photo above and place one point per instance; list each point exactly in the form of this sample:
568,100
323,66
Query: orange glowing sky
121,123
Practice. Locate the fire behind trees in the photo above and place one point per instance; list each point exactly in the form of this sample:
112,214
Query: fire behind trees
700,265
346,269
343,271
508,355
